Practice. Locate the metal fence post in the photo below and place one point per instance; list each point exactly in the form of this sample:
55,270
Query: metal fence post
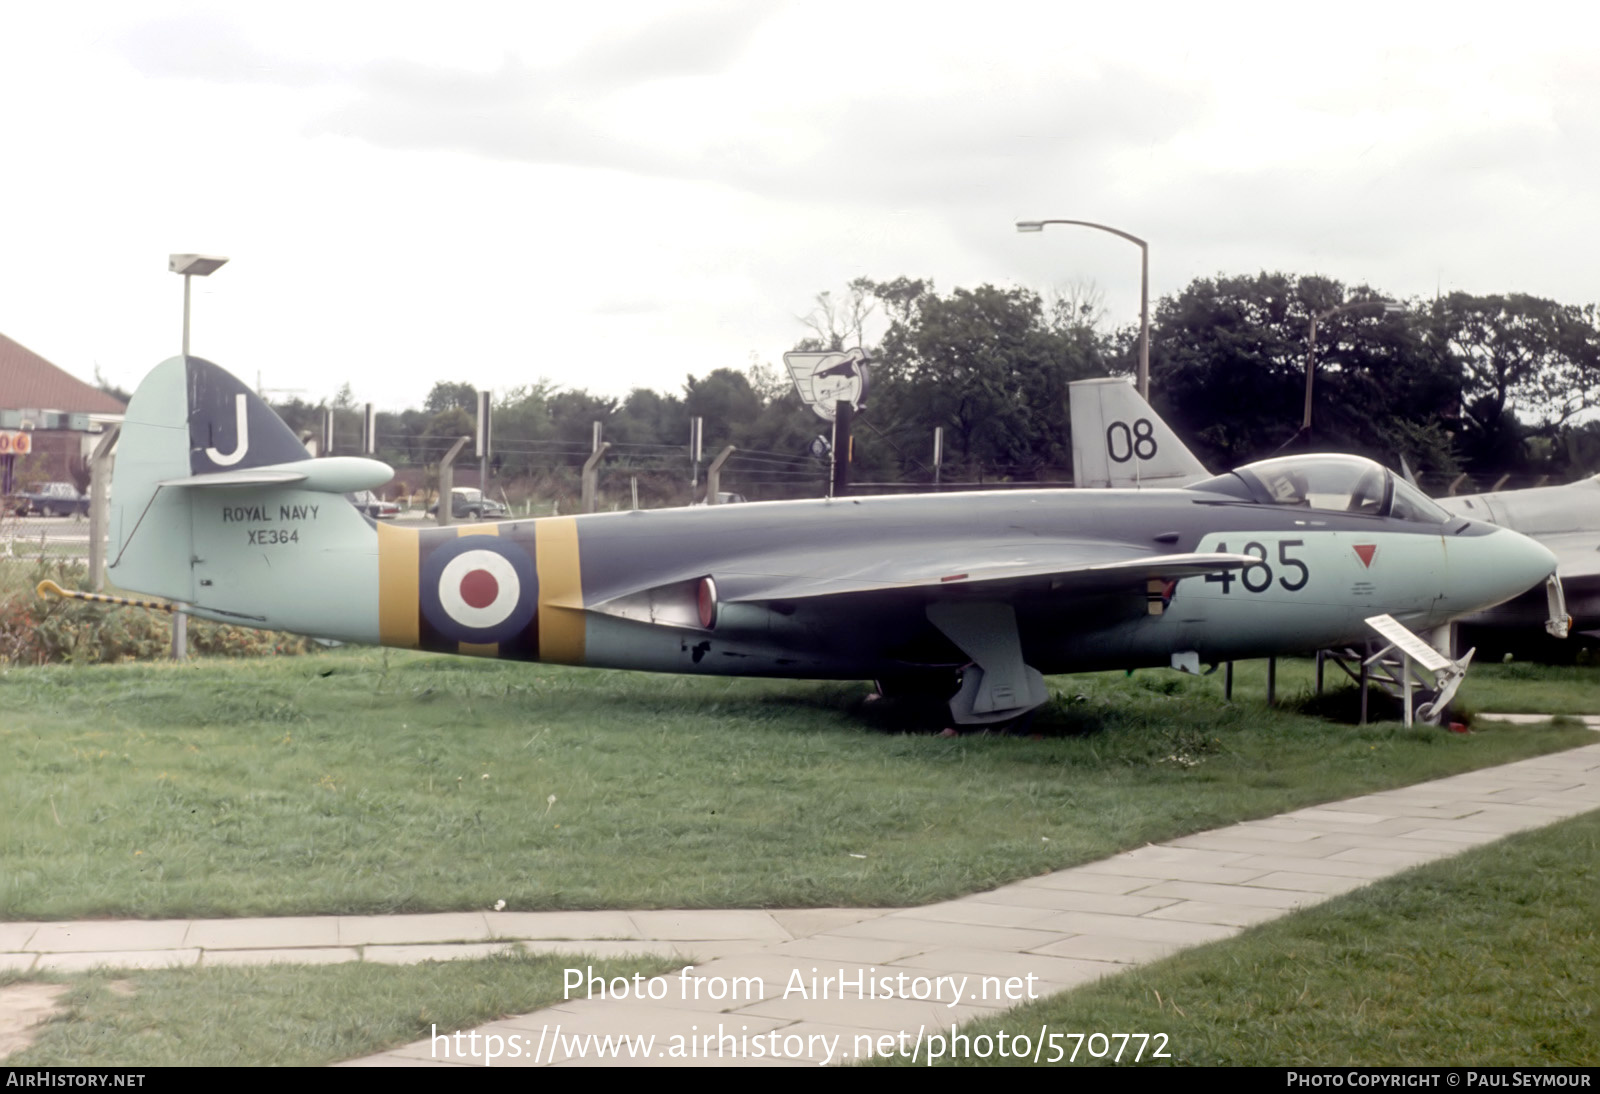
714,474
591,476
447,479
100,505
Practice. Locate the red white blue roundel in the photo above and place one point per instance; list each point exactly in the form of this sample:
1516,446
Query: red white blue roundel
479,589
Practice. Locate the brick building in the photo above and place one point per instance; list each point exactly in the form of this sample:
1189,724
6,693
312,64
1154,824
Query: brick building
49,420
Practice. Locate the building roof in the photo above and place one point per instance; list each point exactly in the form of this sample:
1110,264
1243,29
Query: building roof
29,382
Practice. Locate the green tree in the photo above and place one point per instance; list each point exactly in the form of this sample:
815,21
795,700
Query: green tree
572,418
988,366
400,438
442,431
1228,364
1526,364
522,428
649,417
449,394
727,403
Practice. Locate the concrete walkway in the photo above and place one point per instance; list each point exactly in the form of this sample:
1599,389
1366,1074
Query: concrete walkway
815,986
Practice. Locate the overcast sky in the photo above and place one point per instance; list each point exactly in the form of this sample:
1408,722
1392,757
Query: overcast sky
617,196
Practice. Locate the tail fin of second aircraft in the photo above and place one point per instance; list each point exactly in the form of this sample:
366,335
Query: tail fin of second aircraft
216,504
1119,441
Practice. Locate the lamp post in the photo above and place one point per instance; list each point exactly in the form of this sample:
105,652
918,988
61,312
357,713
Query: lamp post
1144,287
190,266
1390,307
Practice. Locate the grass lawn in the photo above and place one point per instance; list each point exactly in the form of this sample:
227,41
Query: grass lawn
284,1015
1487,958
363,781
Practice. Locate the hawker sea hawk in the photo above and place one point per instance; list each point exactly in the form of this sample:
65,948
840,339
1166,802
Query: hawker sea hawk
216,506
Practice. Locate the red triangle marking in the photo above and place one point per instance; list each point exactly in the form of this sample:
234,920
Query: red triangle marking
1366,551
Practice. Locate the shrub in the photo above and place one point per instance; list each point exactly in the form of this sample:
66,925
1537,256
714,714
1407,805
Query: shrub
36,632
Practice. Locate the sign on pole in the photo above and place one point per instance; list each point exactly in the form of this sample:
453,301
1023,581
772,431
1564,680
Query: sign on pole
823,380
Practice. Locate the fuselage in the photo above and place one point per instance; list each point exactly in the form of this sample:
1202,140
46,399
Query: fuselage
616,589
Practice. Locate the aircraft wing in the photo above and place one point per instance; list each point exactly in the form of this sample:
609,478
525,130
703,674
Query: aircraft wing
1084,567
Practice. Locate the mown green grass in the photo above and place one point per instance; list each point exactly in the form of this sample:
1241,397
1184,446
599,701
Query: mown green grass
1487,958
286,1015
1526,688
364,781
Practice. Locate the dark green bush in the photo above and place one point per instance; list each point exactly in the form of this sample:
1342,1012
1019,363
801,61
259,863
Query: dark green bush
34,631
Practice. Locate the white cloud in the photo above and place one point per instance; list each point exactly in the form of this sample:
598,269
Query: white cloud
616,195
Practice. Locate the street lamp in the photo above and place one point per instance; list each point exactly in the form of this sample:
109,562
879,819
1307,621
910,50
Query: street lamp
190,266
1144,287
1390,307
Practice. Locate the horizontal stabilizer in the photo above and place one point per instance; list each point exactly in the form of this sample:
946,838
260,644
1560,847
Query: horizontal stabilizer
329,475
255,476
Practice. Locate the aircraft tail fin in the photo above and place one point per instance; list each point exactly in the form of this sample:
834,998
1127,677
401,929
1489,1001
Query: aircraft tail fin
216,504
1119,441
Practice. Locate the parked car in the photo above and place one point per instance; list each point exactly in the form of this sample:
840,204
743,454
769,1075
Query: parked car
468,503
53,499
725,497
372,505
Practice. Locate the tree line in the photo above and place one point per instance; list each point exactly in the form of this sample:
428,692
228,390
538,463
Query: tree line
1487,385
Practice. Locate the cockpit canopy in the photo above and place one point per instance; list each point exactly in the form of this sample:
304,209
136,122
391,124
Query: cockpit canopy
1332,483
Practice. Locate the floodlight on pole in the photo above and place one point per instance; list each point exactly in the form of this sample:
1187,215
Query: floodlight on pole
1144,286
190,266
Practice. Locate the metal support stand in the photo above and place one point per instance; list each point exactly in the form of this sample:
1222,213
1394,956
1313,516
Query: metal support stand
1366,681
1406,668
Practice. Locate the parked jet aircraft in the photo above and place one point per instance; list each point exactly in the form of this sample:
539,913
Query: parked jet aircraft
217,505
1566,519
1123,442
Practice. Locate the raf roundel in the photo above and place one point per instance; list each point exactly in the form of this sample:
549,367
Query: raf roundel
479,589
